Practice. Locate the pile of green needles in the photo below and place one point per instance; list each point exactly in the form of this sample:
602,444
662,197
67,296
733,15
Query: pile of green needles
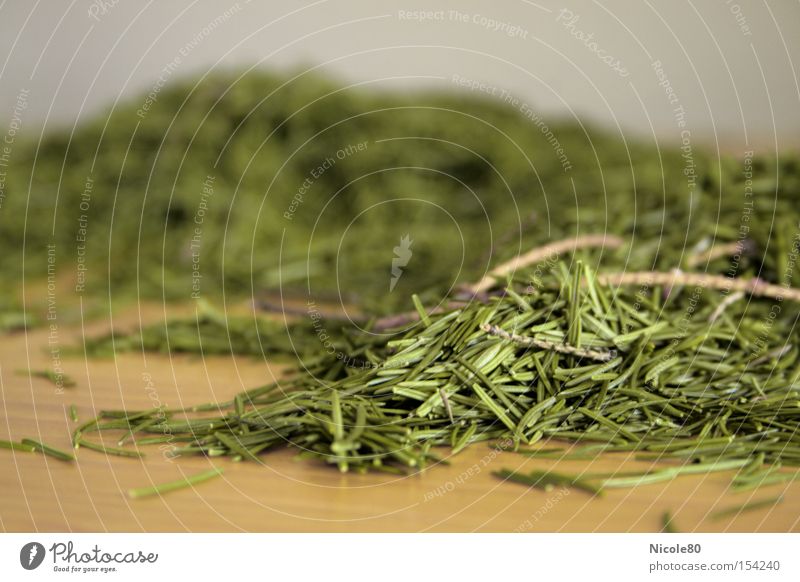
254,182
671,337
682,373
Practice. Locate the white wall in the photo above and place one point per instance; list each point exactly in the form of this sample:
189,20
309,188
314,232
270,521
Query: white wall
732,64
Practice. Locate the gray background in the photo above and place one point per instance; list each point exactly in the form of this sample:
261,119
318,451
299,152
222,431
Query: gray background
738,86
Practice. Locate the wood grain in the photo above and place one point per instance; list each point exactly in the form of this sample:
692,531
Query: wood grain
284,494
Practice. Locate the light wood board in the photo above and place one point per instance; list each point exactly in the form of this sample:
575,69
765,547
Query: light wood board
285,494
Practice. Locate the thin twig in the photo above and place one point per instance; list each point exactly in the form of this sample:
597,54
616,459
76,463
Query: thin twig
600,355
776,354
540,254
756,287
392,321
508,236
265,305
668,289
723,250
729,300
447,407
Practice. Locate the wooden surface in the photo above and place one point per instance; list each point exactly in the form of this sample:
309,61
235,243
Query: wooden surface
284,494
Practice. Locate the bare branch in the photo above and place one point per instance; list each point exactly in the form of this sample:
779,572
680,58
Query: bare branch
540,254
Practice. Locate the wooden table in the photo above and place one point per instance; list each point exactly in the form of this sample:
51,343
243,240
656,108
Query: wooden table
285,494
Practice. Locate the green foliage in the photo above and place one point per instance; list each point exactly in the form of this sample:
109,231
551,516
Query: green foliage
710,393
470,180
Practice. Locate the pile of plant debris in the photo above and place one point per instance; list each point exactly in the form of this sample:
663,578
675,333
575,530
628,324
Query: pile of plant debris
692,370
259,181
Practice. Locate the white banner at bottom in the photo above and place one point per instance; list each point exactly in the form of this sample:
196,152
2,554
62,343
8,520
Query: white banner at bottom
390,557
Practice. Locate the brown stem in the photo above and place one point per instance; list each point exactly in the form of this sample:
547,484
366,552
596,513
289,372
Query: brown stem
756,287
478,291
401,319
446,401
600,355
729,300
264,305
540,254
509,235
777,354
724,250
